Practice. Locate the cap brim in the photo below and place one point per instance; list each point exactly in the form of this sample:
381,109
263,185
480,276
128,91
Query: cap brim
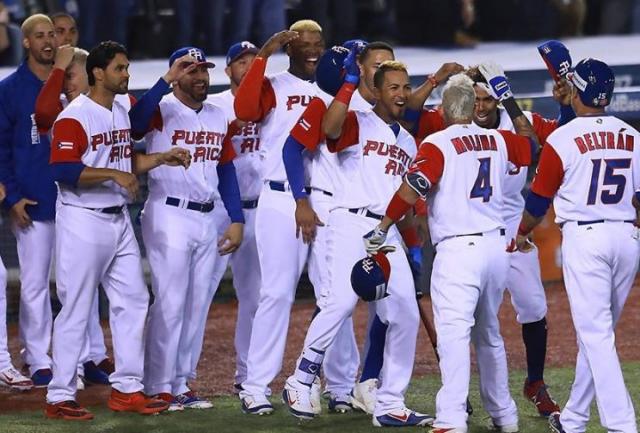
208,64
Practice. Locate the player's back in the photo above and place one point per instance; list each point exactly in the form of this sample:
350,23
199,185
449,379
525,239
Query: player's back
600,161
468,198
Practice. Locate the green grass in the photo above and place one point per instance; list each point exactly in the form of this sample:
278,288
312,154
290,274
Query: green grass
226,416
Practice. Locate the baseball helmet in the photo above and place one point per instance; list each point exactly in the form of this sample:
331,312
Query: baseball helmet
594,81
330,72
355,43
557,58
370,276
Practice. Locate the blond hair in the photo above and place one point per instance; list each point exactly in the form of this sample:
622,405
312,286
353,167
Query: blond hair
386,66
30,23
458,98
79,56
305,26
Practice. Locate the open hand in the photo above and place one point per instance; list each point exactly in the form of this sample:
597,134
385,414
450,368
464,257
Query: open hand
276,42
231,239
306,221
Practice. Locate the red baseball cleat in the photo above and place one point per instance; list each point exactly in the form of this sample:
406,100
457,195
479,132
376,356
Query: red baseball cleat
135,402
68,410
537,393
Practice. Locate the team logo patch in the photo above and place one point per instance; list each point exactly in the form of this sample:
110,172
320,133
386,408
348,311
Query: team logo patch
196,54
304,124
62,145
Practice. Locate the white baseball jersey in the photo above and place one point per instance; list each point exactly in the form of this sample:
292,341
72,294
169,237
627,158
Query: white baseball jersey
466,166
246,143
324,171
373,159
88,133
517,178
202,132
292,95
592,166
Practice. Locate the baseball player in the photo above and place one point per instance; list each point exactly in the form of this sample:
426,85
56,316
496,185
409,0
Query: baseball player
461,171
91,160
590,168
312,208
65,28
31,192
523,278
277,102
178,228
244,261
374,153
306,135
67,80
9,375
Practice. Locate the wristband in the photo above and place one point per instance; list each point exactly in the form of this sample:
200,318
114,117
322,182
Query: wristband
345,93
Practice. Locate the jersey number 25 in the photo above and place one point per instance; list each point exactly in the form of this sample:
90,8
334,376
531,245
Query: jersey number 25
482,187
611,178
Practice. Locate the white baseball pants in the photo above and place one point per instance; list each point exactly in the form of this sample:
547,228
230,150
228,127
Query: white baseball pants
181,248
467,284
93,248
599,264
524,282
399,310
35,246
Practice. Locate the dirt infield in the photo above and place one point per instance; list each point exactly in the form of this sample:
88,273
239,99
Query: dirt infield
217,364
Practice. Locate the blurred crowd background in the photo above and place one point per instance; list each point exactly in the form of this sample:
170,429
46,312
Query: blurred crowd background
154,28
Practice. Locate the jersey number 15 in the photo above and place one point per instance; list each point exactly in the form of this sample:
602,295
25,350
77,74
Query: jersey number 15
611,178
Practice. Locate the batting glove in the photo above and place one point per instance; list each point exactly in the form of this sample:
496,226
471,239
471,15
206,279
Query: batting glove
351,67
498,84
375,239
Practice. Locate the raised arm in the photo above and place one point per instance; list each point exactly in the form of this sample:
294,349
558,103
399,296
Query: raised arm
255,97
48,104
337,112
143,111
501,90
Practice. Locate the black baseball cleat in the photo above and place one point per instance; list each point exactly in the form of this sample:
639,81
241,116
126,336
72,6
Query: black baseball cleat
554,423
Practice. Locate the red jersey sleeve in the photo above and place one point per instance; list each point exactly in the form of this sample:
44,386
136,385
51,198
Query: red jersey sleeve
255,96
69,141
350,134
543,127
549,174
308,130
48,104
429,161
430,121
132,99
228,153
518,148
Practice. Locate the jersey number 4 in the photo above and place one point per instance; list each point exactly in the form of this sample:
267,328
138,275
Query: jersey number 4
482,187
610,179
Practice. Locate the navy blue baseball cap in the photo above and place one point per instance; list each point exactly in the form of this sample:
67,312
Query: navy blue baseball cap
595,82
196,53
239,49
557,58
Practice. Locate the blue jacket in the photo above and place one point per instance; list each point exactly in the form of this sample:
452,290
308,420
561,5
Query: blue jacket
24,153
